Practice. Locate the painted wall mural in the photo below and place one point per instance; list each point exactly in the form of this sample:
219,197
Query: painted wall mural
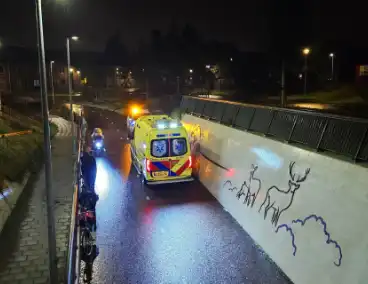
249,189
279,200
274,202
290,228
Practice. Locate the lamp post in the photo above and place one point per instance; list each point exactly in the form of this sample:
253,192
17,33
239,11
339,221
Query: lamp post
47,147
306,52
70,73
52,82
332,56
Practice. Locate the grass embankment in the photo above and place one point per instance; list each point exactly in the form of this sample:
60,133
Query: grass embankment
20,153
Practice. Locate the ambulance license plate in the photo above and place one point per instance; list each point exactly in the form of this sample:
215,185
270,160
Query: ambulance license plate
161,174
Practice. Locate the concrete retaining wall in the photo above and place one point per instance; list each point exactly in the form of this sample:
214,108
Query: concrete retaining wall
308,211
10,197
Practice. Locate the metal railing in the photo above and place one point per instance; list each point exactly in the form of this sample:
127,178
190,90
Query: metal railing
345,136
73,260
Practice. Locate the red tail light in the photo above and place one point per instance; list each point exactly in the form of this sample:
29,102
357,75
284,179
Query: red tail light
148,165
190,162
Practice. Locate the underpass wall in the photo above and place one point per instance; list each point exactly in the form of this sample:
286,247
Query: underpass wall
307,211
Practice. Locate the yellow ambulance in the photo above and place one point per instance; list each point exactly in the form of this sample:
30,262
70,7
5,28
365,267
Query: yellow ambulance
160,150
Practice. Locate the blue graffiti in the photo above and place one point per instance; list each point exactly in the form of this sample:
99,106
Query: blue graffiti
327,234
290,230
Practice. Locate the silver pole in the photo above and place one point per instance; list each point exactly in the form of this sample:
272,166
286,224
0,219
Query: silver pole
47,148
70,93
332,68
305,73
52,82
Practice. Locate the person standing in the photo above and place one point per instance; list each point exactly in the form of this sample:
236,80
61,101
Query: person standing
89,168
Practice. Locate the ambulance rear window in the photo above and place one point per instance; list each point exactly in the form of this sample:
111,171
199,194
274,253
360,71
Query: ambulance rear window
178,146
162,148
159,148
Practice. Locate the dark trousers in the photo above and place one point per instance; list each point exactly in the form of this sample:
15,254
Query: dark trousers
89,177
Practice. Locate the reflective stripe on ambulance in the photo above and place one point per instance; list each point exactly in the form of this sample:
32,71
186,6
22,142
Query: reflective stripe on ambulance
176,168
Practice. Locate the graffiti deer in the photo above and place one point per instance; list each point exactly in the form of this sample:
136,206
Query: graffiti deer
251,188
280,200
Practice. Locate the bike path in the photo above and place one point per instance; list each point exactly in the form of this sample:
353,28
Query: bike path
23,241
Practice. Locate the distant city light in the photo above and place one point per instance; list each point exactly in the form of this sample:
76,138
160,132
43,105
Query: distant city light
231,59
190,70
208,66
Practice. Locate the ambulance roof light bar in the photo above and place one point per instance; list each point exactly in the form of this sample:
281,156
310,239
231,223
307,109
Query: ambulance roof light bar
167,124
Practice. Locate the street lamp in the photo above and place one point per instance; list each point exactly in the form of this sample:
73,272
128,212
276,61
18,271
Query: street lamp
332,56
75,38
306,52
52,81
47,148
190,70
78,72
231,59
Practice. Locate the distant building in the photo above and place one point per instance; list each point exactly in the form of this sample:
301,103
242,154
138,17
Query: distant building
362,73
19,71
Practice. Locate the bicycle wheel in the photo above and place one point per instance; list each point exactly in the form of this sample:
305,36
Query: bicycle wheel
86,242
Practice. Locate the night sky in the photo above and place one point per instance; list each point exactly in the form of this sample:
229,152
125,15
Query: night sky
246,23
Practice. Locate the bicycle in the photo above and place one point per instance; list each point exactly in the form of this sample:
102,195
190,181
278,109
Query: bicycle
87,220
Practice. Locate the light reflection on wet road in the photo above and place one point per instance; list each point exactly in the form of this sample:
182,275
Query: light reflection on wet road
176,234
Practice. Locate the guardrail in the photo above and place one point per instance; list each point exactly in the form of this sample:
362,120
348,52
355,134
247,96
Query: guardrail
345,136
73,260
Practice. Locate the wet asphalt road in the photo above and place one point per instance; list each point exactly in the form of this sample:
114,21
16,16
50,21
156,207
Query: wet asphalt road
175,234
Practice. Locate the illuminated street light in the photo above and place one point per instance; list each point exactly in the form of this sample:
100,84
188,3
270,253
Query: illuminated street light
332,56
208,66
306,52
52,81
231,59
74,38
78,72
190,70
117,68
71,70
53,270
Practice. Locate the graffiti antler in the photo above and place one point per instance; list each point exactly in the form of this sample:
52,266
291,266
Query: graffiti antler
301,179
291,166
